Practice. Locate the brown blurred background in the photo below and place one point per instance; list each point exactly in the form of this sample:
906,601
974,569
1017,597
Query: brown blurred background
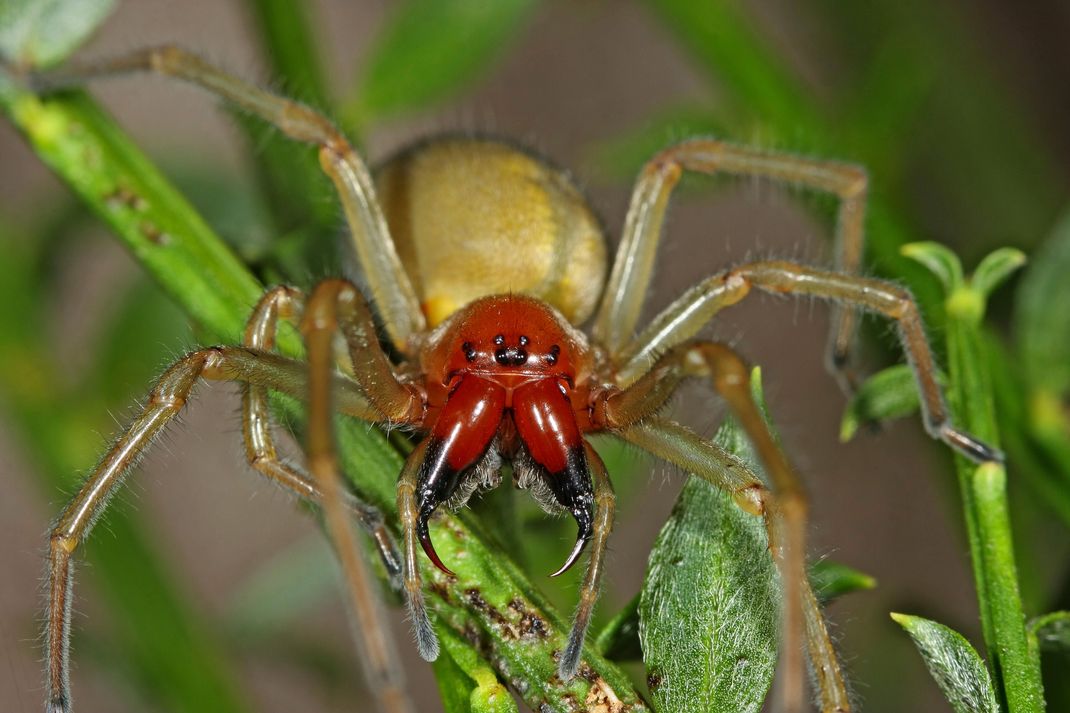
578,74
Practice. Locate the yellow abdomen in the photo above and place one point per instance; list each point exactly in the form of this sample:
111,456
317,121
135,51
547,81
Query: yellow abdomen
473,217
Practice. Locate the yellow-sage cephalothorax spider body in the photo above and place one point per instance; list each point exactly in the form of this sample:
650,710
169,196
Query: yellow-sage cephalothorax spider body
480,260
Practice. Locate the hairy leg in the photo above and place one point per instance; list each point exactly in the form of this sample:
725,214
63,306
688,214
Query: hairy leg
390,286
73,526
330,308
605,504
260,452
409,514
784,516
629,280
682,319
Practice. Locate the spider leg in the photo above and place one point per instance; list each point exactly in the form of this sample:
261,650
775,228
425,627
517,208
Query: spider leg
336,305
390,286
73,526
260,452
260,371
629,280
784,510
605,504
683,318
409,514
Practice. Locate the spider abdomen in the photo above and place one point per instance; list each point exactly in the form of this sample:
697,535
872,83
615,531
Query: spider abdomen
473,217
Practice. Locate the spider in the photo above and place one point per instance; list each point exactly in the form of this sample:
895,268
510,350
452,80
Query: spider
480,260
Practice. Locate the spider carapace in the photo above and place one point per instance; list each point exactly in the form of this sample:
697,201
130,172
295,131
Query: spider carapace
480,259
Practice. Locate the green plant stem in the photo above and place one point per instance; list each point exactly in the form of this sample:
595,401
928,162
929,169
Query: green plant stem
1016,669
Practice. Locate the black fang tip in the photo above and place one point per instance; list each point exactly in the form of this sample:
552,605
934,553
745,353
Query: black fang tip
429,549
577,550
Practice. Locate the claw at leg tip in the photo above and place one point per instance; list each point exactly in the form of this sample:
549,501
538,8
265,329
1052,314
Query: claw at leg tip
570,663
424,632
976,450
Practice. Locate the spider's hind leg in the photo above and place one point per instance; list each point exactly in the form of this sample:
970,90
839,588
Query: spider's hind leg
388,283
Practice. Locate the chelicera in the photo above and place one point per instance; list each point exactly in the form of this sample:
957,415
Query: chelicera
480,260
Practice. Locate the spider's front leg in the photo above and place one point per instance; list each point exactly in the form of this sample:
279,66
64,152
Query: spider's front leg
165,401
337,306
258,371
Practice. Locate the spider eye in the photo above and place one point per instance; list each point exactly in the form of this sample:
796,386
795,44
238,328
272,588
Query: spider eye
551,358
469,351
499,340
523,340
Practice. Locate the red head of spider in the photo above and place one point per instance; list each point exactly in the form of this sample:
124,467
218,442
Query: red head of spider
506,378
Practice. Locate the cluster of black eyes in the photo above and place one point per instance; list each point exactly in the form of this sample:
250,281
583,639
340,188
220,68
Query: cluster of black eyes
510,356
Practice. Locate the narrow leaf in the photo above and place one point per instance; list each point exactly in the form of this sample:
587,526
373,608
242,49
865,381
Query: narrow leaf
39,33
710,603
429,48
957,668
486,692
454,687
1042,312
940,260
1052,631
995,268
833,579
888,394
619,639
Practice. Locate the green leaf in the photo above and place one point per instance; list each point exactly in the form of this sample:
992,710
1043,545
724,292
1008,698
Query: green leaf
429,48
1052,631
958,670
888,394
619,639
486,694
709,608
831,580
1042,312
940,260
995,268
39,33
454,687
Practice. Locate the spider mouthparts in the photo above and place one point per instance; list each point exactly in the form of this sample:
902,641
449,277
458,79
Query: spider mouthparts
429,549
577,550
